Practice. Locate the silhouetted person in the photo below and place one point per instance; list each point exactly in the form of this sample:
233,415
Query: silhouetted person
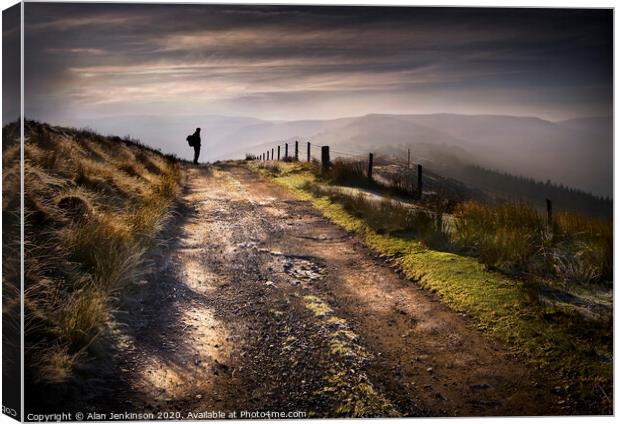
194,141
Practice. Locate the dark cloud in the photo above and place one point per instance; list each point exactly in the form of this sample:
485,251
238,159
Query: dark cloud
95,59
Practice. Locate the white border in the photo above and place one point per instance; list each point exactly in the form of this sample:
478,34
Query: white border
477,3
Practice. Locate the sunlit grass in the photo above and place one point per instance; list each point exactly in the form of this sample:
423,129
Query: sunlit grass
566,344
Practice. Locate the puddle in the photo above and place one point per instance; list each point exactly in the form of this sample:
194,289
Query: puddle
303,269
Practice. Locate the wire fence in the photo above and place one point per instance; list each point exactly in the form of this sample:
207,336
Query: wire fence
404,175
407,175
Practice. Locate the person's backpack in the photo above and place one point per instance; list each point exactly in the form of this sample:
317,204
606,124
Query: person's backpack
191,140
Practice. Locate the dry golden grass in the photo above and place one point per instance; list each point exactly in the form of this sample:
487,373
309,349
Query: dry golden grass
93,206
516,237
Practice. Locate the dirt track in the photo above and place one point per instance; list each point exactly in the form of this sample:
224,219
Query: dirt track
258,303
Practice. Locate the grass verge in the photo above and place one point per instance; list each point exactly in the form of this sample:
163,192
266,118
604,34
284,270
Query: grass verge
576,349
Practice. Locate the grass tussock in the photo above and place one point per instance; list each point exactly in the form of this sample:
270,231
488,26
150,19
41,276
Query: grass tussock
94,205
517,238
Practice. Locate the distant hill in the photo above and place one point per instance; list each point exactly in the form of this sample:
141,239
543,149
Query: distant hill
528,147
576,153
603,127
500,186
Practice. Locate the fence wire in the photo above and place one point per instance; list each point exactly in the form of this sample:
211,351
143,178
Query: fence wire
339,153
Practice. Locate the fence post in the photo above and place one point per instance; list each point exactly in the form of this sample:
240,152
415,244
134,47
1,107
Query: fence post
549,213
272,156
325,158
370,166
308,151
296,150
419,181
285,151
262,156
278,152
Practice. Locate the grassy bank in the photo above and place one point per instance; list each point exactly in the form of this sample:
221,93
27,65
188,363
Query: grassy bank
93,207
555,336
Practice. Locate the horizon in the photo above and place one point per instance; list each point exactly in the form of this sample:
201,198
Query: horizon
301,119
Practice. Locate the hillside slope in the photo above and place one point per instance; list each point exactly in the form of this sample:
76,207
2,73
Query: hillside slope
528,147
93,206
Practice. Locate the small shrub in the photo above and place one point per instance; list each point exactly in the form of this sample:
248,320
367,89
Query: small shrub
348,172
272,168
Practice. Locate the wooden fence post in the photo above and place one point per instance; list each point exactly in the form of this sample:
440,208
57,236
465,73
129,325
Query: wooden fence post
278,152
272,156
325,158
549,213
419,181
285,151
308,151
296,150
370,166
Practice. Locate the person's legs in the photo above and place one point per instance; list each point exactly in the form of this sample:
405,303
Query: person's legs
196,153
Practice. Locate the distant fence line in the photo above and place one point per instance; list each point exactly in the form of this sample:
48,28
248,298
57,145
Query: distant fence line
274,154
325,160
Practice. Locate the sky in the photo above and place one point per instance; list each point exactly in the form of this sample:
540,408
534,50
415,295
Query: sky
91,61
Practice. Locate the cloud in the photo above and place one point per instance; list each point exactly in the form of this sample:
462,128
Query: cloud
89,56
76,51
66,24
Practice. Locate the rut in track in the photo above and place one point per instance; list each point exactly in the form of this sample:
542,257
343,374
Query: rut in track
256,302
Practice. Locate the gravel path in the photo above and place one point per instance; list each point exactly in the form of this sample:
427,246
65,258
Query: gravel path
257,303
